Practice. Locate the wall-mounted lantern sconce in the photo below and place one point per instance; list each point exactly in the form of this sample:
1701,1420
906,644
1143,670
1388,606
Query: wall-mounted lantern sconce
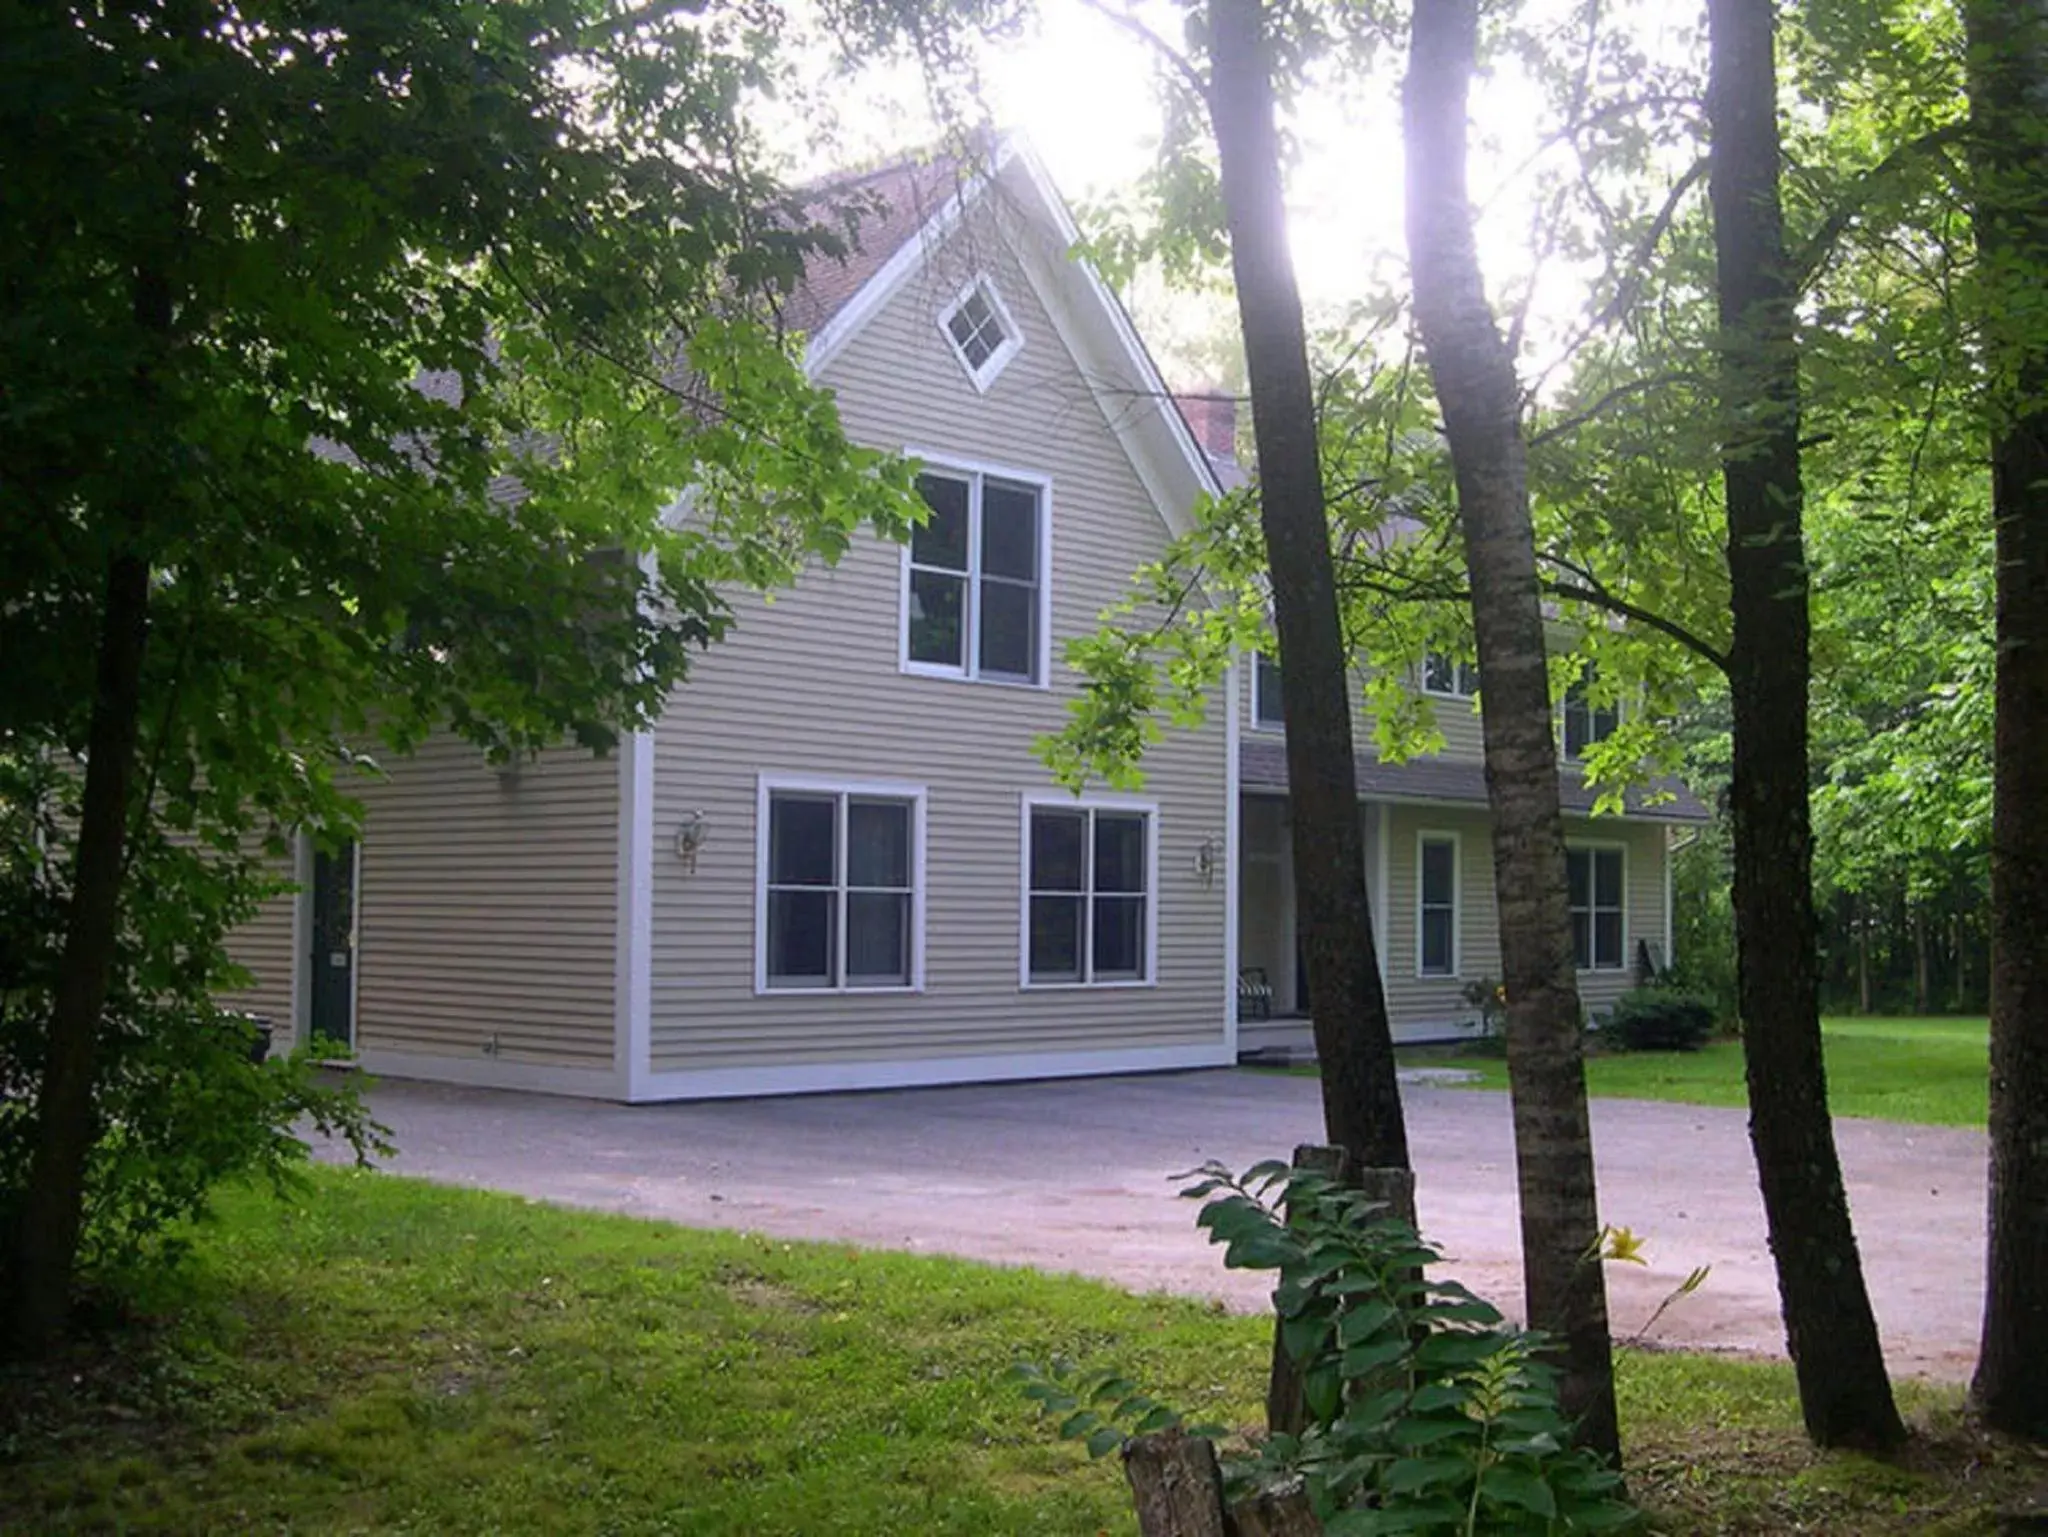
690,835
1208,857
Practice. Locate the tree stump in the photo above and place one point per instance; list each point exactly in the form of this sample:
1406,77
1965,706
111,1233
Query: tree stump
1275,1513
1176,1485
1286,1409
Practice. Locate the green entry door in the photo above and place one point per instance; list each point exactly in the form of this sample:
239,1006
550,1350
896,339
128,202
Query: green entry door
334,945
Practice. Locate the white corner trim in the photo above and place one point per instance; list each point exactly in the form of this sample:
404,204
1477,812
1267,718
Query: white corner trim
765,787
984,377
490,1072
1233,839
1457,842
634,978
1670,912
1034,799
840,1077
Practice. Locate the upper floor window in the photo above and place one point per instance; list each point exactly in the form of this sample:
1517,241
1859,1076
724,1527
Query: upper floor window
1266,712
1596,877
1089,873
838,887
1453,679
1586,723
975,598
983,336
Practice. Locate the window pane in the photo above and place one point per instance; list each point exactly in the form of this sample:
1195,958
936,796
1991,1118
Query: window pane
937,611
1606,938
1119,853
1578,871
1468,678
1439,874
1056,839
801,928
1582,939
942,540
877,938
1609,877
1009,630
1266,694
1436,941
877,845
1056,939
1119,938
1575,734
1009,530
800,829
1438,676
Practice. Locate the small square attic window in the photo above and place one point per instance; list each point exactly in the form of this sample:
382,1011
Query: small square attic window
983,335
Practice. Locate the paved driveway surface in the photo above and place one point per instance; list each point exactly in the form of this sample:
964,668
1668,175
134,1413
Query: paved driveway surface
1074,1176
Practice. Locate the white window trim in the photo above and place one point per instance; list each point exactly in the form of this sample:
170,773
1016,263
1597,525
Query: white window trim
984,377
767,785
1457,843
1125,803
971,672
1602,845
1453,692
1564,706
1271,727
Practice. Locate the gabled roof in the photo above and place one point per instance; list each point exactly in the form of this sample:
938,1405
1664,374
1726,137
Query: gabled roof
914,205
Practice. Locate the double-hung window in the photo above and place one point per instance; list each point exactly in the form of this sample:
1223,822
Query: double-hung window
1443,674
1266,712
974,583
1089,878
1586,723
1597,878
839,902
1436,933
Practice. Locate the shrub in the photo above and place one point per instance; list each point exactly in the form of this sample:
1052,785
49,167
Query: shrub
1426,1411
1659,1019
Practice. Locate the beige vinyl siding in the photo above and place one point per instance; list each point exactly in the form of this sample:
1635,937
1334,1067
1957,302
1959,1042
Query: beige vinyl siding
487,909
811,685
1423,1006
264,945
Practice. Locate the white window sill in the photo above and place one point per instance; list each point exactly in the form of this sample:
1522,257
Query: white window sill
898,989
953,675
1130,984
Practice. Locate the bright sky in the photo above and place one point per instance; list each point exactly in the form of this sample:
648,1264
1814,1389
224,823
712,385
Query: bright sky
1082,88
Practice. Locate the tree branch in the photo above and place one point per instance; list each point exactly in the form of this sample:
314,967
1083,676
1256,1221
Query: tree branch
1818,246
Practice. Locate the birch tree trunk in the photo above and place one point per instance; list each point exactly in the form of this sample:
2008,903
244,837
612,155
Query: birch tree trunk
1481,402
1830,1331
1354,1041
2008,53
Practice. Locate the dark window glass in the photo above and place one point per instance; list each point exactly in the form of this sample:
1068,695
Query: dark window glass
1266,709
1437,929
1439,917
1119,939
1441,675
801,929
1009,630
878,844
878,937
1586,724
1009,530
1119,852
1595,877
976,328
941,540
938,618
1056,848
800,837
1056,939
1439,873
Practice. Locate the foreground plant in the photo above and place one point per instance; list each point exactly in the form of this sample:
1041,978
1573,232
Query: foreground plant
1426,1411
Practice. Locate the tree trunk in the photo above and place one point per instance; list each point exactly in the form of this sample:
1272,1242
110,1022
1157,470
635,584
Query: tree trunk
1863,955
1830,1330
2008,54
46,1244
1354,1041
1480,398
1923,966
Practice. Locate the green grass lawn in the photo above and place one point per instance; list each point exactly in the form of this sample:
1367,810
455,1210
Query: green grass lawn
380,1355
1926,1070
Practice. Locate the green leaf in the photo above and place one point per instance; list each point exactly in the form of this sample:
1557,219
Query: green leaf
1411,1475
1104,1441
1515,1486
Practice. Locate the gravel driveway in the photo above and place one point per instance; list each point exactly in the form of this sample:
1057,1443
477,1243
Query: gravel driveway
1073,1176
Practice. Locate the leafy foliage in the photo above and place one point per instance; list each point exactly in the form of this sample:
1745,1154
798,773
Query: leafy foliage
1426,1412
1659,1018
181,1106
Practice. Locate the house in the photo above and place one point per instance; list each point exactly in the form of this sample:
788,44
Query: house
838,861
